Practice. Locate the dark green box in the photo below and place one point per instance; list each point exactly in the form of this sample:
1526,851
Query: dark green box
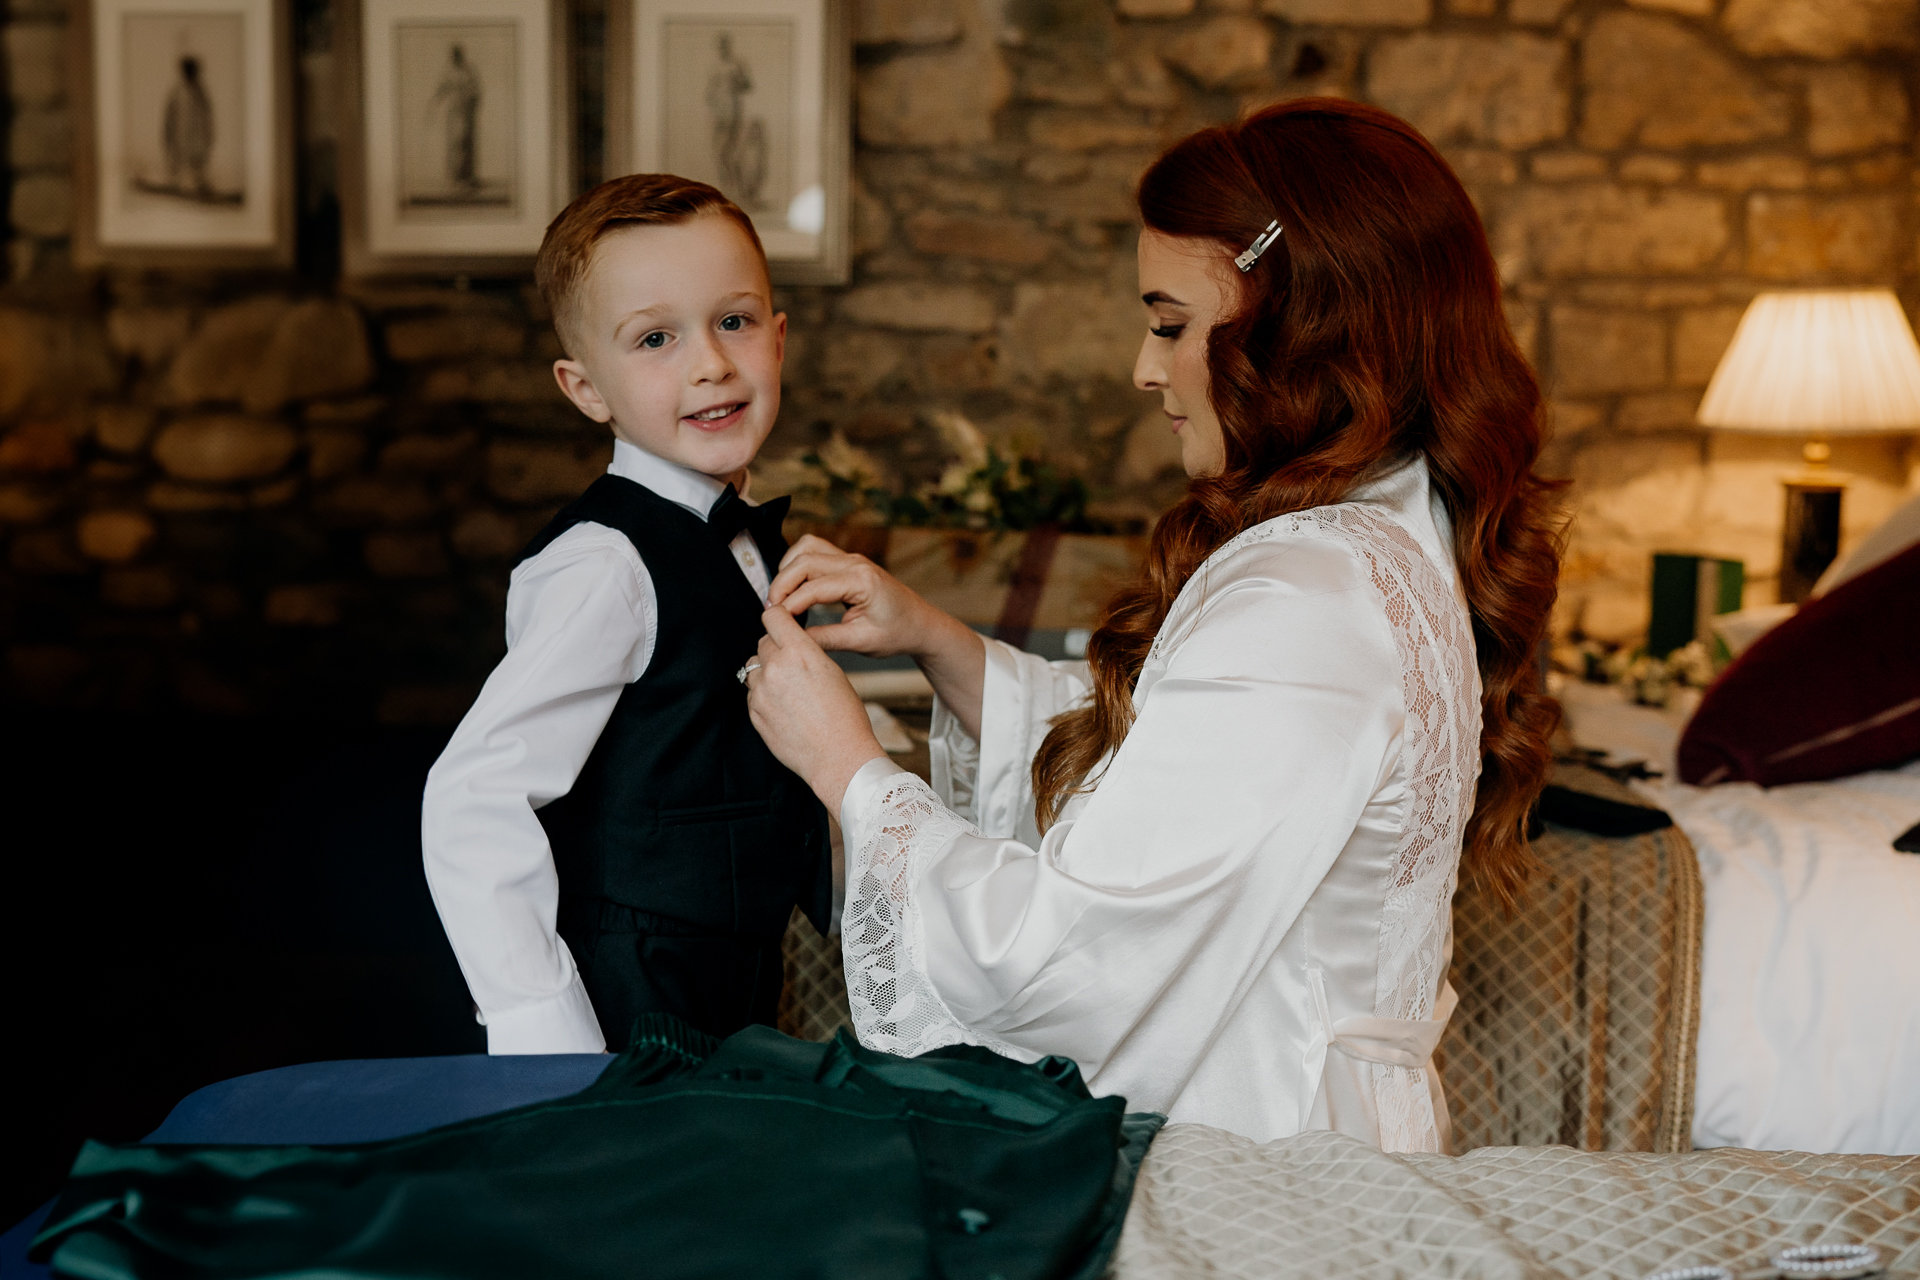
1687,592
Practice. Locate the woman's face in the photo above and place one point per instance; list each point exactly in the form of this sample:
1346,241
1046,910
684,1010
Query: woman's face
1188,286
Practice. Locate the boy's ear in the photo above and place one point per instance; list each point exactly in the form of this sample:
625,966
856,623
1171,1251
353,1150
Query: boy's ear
576,386
780,336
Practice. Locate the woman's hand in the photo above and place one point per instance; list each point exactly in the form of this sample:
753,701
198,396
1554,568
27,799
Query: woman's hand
809,716
884,617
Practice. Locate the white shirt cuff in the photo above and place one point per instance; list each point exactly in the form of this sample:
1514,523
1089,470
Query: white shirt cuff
562,1023
862,801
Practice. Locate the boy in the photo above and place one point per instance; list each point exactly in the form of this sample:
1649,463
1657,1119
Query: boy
606,835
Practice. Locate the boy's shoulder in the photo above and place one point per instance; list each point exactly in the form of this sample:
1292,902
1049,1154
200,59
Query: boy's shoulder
583,547
624,508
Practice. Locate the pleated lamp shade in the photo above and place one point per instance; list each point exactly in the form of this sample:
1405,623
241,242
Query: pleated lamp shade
1818,363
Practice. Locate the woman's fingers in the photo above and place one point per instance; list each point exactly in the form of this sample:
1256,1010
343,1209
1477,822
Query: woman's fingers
806,711
782,630
808,543
817,562
849,637
884,616
835,588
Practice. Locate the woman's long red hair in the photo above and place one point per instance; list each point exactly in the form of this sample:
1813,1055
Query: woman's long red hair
1372,328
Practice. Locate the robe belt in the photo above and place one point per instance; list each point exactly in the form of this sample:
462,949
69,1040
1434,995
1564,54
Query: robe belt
1393,1042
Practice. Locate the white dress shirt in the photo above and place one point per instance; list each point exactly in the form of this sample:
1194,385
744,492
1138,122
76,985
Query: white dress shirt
1246,922
581,621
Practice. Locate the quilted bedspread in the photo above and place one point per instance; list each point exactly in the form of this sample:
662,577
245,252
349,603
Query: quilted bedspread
1209,1203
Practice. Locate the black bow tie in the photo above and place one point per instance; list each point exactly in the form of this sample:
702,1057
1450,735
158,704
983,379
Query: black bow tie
731,513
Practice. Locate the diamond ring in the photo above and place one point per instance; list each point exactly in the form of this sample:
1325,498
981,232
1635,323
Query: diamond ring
753,664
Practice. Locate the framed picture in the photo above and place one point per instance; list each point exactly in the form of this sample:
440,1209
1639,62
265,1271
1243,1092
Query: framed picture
456,146
184,111
752,96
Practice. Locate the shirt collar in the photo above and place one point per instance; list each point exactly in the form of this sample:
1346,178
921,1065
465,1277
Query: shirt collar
1399,483
691,489
1402,486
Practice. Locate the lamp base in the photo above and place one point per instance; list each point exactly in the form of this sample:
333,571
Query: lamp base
1810,535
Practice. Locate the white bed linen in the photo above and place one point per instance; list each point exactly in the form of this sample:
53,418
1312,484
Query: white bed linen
1810,966
1810,963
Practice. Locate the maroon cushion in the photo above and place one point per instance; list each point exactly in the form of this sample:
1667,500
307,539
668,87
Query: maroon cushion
1833,690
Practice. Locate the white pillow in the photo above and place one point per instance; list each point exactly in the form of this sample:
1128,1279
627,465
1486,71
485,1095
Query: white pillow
1898,532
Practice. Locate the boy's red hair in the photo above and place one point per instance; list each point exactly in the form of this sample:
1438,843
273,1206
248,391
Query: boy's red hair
658,199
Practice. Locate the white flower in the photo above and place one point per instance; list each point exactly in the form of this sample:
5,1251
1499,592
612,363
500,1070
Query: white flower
847,461
962,438
954,480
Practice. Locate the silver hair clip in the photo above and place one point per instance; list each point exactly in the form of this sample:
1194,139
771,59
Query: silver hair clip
1259,246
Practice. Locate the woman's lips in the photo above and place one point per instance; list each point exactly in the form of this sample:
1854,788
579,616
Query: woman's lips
720,423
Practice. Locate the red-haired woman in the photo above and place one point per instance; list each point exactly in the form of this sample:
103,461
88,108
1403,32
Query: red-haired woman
1214,864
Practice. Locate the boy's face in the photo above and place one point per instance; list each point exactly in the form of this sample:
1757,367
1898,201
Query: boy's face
679,345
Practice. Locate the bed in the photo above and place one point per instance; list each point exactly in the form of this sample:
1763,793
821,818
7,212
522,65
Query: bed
1809,1035
1211,1204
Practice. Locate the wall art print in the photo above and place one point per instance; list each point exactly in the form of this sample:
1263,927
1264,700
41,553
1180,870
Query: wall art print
461,155
751,96
185,120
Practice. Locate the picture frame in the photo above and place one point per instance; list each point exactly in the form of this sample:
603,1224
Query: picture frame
753,96
183,113
456,133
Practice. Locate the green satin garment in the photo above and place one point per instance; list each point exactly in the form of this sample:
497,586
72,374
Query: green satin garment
759,1156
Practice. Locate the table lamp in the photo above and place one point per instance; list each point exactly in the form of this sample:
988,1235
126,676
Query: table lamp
1815,364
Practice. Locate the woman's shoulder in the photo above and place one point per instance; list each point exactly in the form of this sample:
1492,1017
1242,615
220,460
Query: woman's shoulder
1282,572
1342,566
1333,547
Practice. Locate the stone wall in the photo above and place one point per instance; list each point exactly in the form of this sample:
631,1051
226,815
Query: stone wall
240,493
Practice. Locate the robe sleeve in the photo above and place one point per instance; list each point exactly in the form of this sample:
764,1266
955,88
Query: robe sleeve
1151,911
990,782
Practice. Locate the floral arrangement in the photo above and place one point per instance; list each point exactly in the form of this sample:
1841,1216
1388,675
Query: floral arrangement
1650,681
978,488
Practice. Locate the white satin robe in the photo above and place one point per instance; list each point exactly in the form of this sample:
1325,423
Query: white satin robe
1246,922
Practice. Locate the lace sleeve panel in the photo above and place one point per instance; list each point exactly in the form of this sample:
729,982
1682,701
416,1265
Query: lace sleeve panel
897,835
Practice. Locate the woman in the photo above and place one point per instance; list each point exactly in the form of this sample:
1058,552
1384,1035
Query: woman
1214,865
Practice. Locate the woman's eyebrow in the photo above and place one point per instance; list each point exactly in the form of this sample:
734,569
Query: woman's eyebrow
1157,298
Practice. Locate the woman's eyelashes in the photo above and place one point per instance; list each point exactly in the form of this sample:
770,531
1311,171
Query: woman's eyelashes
1166,330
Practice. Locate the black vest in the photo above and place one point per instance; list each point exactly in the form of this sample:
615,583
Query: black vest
681,811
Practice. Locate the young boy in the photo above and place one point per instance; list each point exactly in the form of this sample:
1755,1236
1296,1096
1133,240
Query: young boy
606,835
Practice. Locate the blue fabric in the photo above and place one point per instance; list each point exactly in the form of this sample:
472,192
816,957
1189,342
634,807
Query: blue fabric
13,1247
353,1101
371,1099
